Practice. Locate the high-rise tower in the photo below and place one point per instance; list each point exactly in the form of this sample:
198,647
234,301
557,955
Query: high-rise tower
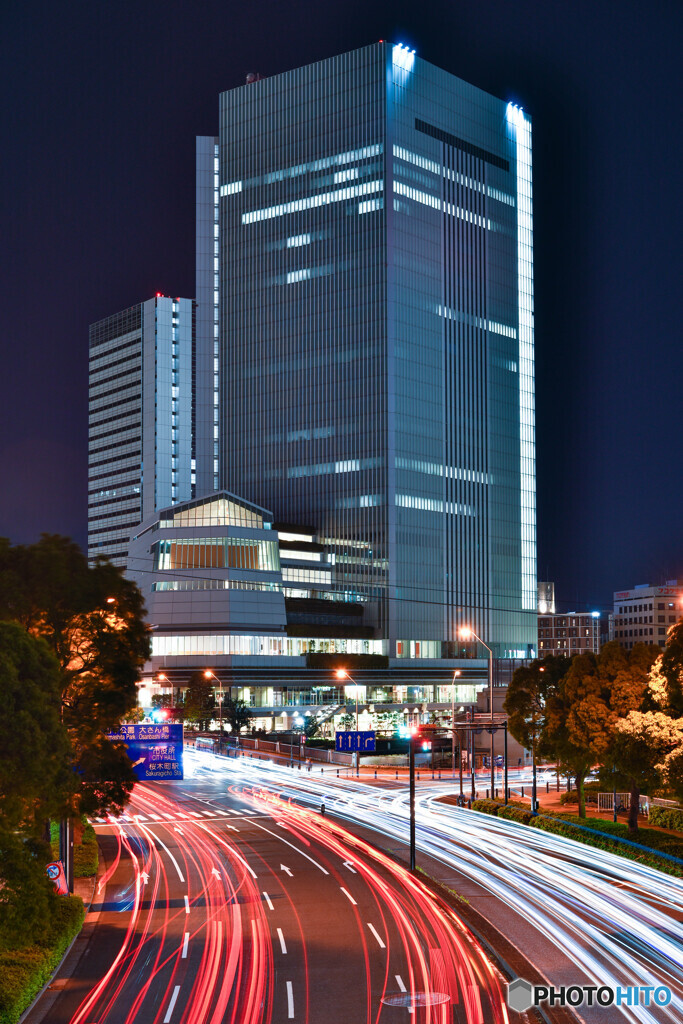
377,354
142,453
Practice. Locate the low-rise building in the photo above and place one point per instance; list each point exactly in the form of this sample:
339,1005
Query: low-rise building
646,613
569,633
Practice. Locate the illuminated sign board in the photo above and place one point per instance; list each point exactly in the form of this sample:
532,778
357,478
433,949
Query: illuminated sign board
156,751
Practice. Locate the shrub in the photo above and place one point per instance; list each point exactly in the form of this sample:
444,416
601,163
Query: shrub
23,972
566,825
486,806
666,817
515,813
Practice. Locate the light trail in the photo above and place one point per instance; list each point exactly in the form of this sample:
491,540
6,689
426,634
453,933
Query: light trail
622,934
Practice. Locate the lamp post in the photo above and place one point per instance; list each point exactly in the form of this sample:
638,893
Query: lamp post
341,673
455,676
208,674
466,632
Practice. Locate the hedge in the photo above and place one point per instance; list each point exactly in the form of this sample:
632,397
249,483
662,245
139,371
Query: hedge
645,852
666,817
649,841
23,972
86,856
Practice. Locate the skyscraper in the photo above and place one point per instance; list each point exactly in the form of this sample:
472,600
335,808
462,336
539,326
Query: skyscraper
142,453
376,337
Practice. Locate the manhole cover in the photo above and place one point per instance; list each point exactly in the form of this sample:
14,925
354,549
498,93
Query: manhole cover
411,1000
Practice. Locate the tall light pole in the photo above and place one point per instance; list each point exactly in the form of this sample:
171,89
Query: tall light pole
455,676
466,632
208,674
341,673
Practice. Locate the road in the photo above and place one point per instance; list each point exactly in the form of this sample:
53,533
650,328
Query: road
218,905
582,916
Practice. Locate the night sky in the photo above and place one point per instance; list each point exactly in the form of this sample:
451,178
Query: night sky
101,104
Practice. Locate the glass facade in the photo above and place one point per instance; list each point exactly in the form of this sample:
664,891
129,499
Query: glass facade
141,419
376,311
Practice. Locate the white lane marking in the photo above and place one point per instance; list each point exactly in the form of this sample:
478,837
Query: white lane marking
399,982
287,843
195,814
185,942
187,904
282,940
155,816
233,852
165,847
232,810
290,1001
348,895
171,1005
267,899
377,935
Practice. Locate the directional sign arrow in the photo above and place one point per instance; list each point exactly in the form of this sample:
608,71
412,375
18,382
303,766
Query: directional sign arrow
283,868
349,864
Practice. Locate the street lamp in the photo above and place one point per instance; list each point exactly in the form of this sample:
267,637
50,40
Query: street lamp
455,676
208,674
466,632
341,673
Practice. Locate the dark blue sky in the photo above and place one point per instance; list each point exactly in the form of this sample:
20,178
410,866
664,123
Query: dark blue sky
101,105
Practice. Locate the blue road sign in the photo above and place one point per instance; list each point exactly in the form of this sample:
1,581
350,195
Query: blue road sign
352,741
155,750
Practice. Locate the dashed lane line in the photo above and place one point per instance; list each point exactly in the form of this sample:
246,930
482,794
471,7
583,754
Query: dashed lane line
171,1005
374,931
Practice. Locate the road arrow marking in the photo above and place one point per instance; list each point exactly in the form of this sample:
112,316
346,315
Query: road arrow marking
349,864
283,868
176,829
216,872
145,877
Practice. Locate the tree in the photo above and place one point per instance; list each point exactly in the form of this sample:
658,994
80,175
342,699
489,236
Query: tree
92,620
236,712
199,702
36,780
596,692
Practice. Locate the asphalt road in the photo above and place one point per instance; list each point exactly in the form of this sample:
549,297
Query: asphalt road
223,906
579,915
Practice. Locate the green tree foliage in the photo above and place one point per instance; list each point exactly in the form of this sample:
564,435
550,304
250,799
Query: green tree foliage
36,780
92,620
527,696
199,702
236,713
26,894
